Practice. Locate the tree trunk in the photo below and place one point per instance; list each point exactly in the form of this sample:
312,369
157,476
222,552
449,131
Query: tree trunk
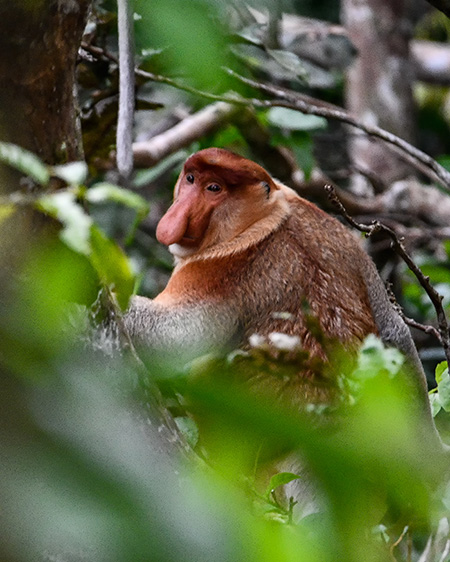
39,43
379,83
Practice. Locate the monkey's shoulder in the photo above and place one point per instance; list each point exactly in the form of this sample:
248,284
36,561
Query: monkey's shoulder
312,259
314,239
207,279
320,226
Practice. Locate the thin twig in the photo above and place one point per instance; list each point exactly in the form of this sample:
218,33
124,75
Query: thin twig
124,136
398,541
99,52
426,328
399,248
298,102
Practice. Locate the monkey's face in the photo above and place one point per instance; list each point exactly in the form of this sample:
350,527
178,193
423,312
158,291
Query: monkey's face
217,196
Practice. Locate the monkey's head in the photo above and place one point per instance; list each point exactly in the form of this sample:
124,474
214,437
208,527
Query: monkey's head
218,196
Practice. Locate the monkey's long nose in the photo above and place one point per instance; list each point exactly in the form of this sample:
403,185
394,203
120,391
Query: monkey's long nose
173,225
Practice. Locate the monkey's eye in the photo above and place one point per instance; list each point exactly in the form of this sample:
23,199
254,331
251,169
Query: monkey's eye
214,188
190,178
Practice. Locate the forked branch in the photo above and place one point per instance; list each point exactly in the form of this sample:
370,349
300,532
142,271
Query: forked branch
443,331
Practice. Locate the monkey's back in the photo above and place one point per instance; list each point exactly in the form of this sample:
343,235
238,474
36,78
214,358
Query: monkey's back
311,266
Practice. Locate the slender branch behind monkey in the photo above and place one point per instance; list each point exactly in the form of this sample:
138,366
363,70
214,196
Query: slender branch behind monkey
443,331
125,118
305,104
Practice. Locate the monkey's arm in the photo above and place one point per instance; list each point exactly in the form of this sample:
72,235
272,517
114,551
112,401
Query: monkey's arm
187,330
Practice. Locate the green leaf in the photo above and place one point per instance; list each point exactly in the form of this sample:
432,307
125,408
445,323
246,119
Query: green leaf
102,192
444,393
288,60
444,161
82,235
63,207
381,531
254,33
302,69
74,173
435,404
24,161
293,120
304,153
112,266
374,358
170,23
279,479
441,371
144,177
6,211
189,428
446,244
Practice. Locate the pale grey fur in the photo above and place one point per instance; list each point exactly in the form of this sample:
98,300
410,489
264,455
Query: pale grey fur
394,332
186,332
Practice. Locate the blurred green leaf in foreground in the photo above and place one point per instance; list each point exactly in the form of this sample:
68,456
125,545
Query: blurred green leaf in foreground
86,474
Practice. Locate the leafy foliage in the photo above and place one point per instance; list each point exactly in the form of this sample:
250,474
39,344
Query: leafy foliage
78,230
440,395
85,472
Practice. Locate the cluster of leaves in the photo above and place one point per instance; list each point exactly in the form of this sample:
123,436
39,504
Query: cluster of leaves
221,40
79,231
440,395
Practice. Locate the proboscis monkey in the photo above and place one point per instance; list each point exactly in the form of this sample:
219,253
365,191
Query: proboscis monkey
248,248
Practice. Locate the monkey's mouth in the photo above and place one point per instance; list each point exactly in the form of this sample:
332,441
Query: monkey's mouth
189,241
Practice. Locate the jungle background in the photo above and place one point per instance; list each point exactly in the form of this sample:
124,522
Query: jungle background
100,453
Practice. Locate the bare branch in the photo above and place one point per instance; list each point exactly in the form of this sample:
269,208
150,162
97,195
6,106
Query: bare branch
294,100
427,329
148,153
126,90
304,104
399,248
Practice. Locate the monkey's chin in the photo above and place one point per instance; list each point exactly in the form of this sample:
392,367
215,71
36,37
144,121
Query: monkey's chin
179,251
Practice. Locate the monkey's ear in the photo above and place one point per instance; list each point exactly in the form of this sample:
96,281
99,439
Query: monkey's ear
266,186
